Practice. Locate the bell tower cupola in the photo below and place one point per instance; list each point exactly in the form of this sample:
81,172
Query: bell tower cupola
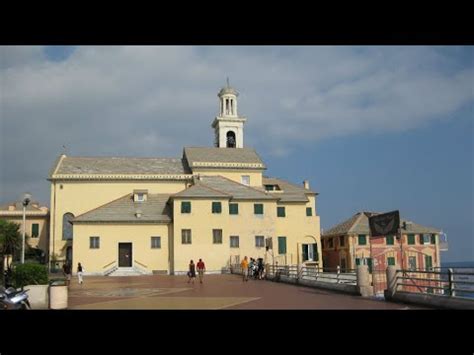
228,125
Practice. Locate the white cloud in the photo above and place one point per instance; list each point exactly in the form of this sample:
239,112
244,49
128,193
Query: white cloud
154,100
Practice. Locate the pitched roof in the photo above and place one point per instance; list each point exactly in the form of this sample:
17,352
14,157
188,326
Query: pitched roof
201,190
119,165
154,210
359,224
218,186
290,192
17,210
223,158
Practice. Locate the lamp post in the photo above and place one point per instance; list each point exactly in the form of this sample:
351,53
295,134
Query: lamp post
25,202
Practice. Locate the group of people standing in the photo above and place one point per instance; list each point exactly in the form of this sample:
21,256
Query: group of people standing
67,270
254,268
201,268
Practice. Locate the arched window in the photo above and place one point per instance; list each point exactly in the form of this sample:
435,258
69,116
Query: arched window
67,226
230,139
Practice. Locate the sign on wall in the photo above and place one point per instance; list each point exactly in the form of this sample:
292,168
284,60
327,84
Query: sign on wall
384,224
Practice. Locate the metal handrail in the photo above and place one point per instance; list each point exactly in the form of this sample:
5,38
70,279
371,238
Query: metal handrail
103,267
139,263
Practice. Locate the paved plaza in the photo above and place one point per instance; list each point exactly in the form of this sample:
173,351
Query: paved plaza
217,292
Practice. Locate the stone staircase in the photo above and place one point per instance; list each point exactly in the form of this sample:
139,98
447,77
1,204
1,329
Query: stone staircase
127,271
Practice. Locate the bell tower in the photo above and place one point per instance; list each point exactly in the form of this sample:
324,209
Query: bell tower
228,125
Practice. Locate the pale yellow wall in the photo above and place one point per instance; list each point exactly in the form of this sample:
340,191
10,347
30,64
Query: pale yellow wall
234,175
94,260
82,196
41,241
298,229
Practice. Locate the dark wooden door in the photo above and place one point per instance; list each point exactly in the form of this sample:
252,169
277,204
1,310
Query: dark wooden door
125,254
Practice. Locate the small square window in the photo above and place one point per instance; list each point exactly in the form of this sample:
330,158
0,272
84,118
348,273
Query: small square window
140,197
309,211
217,236
245,179
411,239
94,242
234,241
156,242
281,212
391,261
233,208
258,208
216,207
185,207
259,241
389,240
362,239
185,236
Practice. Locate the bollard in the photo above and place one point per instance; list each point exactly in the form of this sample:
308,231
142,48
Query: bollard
391,280
363,281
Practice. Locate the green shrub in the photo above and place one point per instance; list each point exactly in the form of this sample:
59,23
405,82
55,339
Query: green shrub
30,274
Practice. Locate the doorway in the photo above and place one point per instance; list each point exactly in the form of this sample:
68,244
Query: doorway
125,255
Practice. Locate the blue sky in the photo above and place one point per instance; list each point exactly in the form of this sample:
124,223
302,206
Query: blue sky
373,128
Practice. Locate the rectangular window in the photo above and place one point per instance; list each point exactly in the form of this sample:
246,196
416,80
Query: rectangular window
156,242
433,238
281,245
94,242
428,263
331,243
411,239
259,241
216,207
426,239
245,179
412,262
185,236
217,236
258,208
362,239
233,208
34,230
309,211
341,241
185,207
389,240
281,212
234,241
390,261
357,261
140,197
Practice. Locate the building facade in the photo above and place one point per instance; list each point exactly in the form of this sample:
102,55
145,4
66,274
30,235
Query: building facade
153,215
37,222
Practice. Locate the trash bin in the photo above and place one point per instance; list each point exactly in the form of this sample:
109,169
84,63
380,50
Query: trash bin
58,294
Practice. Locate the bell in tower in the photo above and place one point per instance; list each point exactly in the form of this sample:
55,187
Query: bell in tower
228,125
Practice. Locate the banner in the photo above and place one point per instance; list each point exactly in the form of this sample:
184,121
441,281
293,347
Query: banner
384,224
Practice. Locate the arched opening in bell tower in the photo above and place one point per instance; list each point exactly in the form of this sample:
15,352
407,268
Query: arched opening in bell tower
230,139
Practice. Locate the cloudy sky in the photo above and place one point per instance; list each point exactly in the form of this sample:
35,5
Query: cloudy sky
372,128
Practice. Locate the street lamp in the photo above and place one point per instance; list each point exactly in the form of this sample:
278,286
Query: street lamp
25,202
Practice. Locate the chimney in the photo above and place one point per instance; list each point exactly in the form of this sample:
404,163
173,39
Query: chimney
306,184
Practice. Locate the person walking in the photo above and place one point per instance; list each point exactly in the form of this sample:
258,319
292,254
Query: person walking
192,272
67,272
245,269
201,268
79,273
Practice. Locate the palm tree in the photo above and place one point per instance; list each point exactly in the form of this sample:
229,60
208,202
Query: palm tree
10,241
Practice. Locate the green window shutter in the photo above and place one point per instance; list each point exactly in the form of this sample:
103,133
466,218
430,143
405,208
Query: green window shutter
421,239
216,207
433,238
369,264
281,245
428,262
309,211
185,207
258,208
389,240
34,230
357,261
411,239
391,261
281,212
305,252
362,239
315,252
233,208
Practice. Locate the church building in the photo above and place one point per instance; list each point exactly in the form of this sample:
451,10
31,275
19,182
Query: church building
123,215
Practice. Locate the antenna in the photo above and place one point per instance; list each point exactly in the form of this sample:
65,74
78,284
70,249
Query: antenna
64,149
228,82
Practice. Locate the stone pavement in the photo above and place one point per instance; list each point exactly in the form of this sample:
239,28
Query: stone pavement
217,292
